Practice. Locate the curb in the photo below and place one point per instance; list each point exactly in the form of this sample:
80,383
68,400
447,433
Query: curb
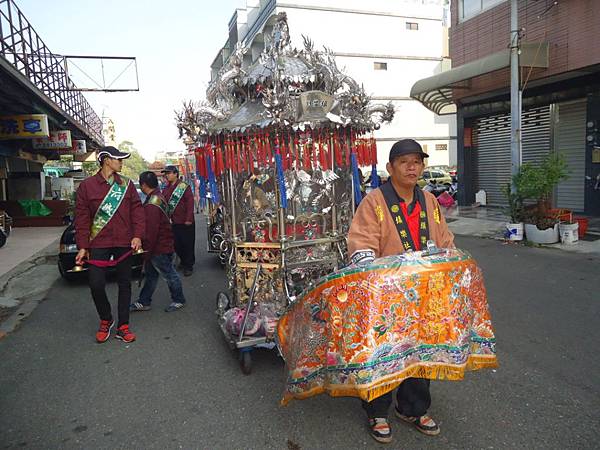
27,303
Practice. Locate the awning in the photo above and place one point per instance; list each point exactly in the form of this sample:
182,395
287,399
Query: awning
436,92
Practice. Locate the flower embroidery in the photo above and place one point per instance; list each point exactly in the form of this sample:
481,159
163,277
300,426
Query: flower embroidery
411,295
455,291
387,320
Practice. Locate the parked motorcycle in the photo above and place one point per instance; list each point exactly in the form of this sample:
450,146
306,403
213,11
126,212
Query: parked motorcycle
435,188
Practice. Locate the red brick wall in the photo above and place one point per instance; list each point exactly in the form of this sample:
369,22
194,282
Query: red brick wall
572,29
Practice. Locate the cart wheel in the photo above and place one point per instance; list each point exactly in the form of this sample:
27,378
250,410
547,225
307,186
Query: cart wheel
223,302
246,362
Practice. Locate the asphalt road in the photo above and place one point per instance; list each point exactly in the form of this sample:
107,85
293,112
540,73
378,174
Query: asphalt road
179,385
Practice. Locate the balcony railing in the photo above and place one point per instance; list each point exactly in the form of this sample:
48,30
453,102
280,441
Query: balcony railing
23,48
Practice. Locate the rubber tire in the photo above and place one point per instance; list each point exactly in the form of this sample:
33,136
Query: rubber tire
228,300
246,362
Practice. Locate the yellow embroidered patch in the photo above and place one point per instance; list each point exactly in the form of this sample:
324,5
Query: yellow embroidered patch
395,208
379,213
436,215
403,233
422,215
399,220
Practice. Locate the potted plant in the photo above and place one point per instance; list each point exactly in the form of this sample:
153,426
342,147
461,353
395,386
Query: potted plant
514,229
537,182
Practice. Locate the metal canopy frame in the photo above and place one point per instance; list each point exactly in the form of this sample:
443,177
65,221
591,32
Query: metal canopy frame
104,85
24,53
436,93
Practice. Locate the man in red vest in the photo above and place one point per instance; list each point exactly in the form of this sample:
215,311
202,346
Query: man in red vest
159,248
109,226
180,207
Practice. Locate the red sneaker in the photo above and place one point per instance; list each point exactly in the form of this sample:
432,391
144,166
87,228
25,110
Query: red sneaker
124,334
103,332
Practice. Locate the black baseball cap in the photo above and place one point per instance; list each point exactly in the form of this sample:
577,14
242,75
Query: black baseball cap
170,168
112,152
406,147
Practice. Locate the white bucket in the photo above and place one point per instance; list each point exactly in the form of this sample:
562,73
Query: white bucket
515,231
569,232
537,236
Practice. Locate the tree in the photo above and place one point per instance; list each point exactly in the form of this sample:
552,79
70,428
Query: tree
135,164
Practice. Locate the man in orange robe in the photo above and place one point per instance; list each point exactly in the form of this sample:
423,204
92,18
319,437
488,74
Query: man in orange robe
393,219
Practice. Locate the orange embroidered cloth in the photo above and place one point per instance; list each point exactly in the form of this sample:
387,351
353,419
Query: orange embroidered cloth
363,330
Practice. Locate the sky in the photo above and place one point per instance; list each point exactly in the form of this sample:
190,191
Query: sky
174,41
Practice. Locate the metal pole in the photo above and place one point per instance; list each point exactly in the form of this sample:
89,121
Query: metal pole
233,211
334,224
515,93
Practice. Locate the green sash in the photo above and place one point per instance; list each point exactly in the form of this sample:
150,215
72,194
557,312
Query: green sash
157,200
393,202
176,196
109,206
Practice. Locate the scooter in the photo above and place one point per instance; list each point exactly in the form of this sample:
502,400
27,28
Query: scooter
435,188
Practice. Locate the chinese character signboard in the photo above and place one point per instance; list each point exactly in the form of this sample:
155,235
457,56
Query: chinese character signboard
57,140
314,105
79,147
24,126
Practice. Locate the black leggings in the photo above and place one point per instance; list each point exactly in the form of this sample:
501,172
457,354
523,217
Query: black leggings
97,280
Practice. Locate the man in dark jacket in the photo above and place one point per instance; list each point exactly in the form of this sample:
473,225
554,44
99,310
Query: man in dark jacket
159,248
180,207
109,226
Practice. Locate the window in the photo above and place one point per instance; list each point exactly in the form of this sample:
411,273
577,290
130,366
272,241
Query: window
412,26
380,66
441,147
426,175
471,8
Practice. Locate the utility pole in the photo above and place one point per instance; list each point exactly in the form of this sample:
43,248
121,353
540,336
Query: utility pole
515,92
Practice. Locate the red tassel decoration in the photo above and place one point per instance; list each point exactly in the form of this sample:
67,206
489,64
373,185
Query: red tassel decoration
243,156
284,154
238,157
228,155
374,147
221,163
248,151
295,148
322,155
337,150
348,146
305,155
313,150
268,153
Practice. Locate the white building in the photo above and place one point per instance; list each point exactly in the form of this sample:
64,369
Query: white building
386,45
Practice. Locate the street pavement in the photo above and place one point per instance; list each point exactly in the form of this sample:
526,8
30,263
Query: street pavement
179,385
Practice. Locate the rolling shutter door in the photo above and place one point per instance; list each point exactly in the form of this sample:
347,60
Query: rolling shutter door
570,141
492,144
535,135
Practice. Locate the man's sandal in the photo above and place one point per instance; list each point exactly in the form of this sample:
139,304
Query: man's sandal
380,430
424,423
